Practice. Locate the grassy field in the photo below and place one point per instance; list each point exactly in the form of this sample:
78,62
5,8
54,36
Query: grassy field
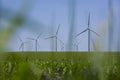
60,66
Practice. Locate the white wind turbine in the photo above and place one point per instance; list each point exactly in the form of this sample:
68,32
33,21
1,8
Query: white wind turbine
22,46
36,41
56,37
76,46
89,30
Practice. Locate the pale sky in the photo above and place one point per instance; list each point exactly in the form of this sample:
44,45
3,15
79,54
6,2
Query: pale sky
45,15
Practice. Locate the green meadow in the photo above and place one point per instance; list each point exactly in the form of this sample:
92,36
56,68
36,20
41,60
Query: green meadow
60,66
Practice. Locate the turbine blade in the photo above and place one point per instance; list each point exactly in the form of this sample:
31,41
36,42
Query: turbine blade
89,20
58,29
20,46
39,35
19,38
95,33
81,32
60,41
50,37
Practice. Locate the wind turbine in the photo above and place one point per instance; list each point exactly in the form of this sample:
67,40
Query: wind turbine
22,46
76,46
55,36
89,30
36,41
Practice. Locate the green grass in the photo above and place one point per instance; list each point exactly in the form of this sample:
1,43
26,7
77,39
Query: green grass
60,66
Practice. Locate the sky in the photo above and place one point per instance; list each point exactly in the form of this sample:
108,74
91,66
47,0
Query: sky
44,16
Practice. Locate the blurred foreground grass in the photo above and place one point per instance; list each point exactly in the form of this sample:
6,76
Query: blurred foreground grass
56,66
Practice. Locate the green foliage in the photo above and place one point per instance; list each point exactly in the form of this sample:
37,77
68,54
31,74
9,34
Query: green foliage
17,66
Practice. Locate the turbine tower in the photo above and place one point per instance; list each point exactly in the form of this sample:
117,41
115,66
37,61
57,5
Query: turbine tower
89,30
36,41
55,36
